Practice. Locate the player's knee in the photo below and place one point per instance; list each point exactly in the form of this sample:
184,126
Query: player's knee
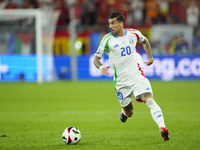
146,96
150,102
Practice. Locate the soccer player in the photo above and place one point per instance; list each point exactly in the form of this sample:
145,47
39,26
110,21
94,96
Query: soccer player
129,78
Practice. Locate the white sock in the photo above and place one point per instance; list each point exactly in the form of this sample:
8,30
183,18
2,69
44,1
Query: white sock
156,112
123,112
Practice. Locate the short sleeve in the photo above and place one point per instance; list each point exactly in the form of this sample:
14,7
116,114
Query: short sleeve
140,37
104,45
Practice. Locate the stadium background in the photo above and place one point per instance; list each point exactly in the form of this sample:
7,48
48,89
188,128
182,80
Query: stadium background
172,26
33,116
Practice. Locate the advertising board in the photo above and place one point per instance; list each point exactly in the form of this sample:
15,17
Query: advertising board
164,68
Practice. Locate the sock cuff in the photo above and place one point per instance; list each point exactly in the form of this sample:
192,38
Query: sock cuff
123,112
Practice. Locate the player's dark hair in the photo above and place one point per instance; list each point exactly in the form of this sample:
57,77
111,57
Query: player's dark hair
119,16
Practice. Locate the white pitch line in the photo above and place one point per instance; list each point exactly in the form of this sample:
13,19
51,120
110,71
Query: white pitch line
87,112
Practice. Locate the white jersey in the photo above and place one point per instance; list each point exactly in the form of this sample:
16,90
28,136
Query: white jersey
122,56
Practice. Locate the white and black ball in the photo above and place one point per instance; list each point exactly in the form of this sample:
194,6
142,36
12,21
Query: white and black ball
71,135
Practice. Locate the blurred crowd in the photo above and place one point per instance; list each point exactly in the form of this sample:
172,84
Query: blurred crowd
93,14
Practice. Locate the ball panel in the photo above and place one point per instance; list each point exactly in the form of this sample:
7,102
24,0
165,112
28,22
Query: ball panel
65,136
71,135
75,135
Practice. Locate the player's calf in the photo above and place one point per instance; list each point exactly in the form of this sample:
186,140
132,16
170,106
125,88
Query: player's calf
126,112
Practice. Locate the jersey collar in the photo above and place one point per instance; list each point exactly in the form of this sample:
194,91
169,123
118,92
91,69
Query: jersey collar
117,36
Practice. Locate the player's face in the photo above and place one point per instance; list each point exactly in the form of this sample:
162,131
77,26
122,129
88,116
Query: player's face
115,26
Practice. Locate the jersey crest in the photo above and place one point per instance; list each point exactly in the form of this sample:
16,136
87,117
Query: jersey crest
131,40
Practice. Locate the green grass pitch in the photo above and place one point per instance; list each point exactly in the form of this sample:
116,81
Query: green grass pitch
33,116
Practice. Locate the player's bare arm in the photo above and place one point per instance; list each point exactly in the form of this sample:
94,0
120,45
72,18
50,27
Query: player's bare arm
147,49
99,65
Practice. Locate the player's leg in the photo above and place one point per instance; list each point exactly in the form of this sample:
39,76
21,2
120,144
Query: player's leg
125,97
156,113
144,91
126,112
127,107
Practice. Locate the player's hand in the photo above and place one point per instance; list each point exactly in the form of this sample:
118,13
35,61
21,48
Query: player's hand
149,62
105,70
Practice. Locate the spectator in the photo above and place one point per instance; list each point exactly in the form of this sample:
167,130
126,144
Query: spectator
163,10
148,22
152,10
90,14
10,5
196,42
137,9
125,8
28,4
169,20
172,45
46,4
178,11
63,19
157,45
103,13
182,9
181,45
78,14
192,14
19,3
3,3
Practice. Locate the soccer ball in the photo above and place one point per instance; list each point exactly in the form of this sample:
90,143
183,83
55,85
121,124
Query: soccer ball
71,135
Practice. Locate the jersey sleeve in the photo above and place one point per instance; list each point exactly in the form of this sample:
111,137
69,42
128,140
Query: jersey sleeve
138,34
103,46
